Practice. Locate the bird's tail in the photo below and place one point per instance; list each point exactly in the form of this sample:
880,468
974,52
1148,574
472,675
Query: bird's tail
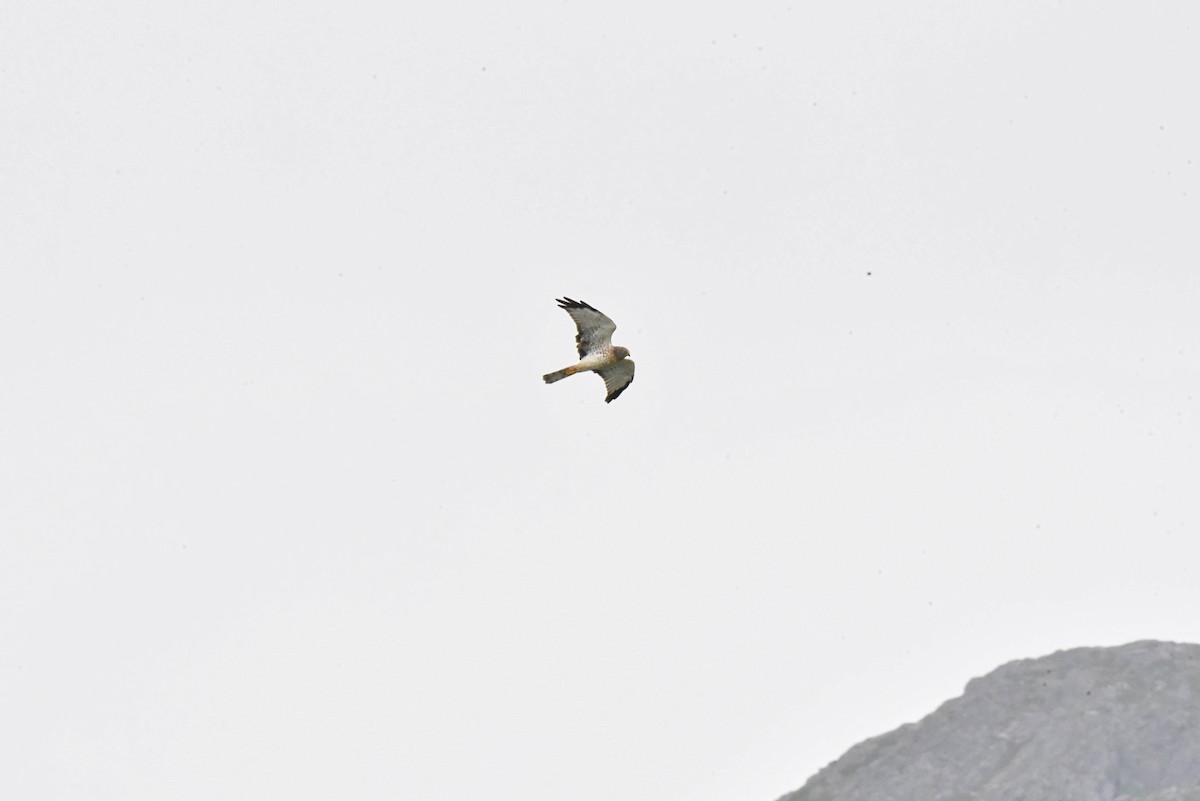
559,375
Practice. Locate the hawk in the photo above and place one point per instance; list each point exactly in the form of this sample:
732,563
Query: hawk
596,351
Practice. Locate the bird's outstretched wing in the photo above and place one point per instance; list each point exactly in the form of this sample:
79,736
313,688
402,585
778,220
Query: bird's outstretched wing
617,376
595,328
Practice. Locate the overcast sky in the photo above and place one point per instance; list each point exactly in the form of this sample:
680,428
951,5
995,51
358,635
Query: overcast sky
286,511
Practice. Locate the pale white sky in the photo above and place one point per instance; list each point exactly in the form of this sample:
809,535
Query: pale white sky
287,512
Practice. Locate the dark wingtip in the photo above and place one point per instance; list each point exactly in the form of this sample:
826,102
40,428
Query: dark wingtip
617,394
567,303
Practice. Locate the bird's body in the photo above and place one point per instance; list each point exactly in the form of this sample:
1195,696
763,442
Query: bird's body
596,352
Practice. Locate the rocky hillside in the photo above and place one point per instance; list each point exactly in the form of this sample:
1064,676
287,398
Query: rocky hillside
1089,724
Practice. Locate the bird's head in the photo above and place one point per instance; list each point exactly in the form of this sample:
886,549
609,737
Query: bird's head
621,353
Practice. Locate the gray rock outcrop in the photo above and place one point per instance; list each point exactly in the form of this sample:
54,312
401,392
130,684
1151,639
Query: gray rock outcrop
1088,724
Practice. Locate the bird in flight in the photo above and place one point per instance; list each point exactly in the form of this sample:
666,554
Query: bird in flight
596,351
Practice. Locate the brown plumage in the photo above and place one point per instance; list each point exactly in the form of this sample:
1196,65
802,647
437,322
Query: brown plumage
596,351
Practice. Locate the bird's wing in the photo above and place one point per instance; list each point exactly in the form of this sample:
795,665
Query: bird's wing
617,376
595,329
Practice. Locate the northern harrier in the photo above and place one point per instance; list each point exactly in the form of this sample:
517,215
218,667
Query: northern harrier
596,351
